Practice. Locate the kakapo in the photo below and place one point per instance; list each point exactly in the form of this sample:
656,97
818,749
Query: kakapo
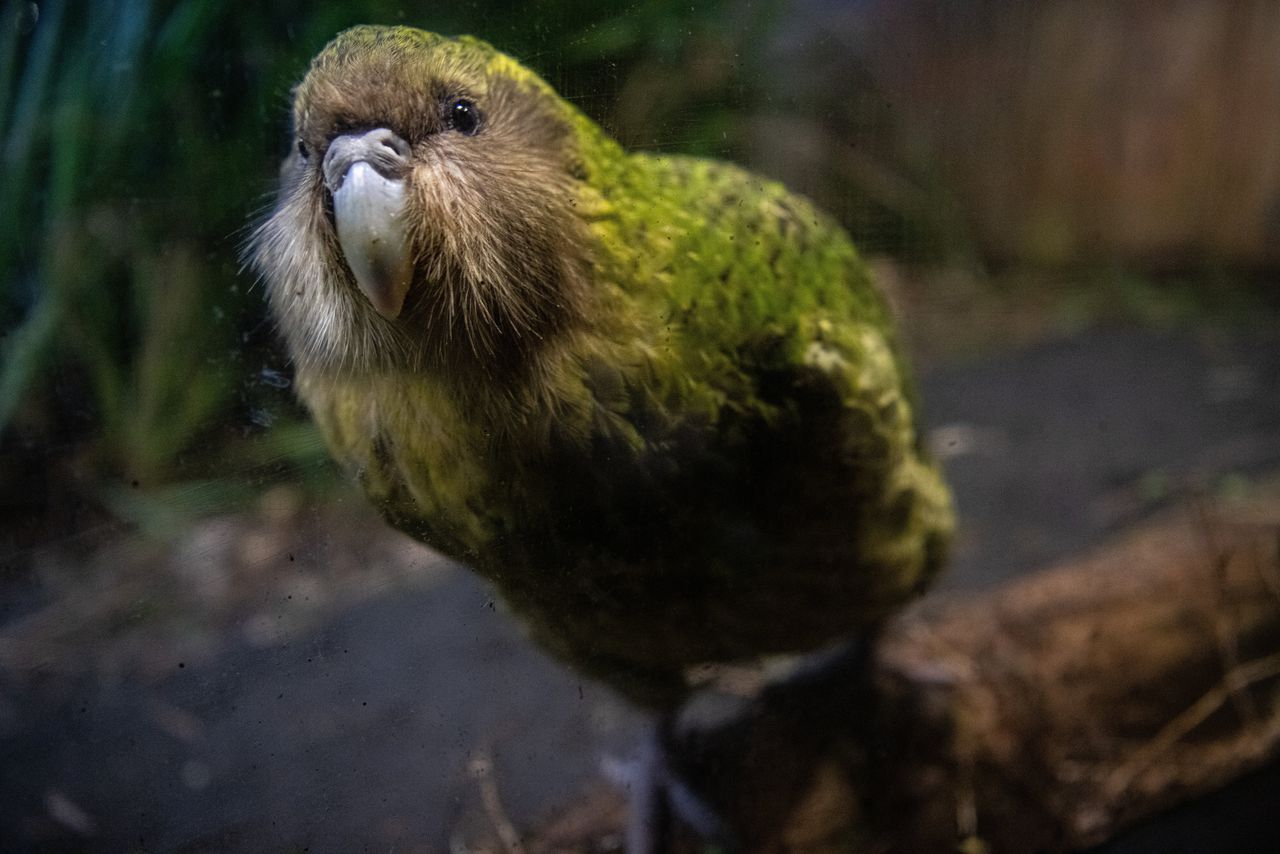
656,400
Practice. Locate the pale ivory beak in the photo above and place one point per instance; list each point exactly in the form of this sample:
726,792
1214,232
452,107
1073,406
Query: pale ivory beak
365,173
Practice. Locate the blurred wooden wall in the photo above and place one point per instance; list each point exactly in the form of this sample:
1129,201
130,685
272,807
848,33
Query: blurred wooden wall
1078,129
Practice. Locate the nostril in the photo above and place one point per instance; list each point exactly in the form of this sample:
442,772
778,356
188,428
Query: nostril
381,148
390,139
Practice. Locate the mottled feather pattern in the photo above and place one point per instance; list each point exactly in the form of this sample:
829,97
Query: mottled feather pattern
656,400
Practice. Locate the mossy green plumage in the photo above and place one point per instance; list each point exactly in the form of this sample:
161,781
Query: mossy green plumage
713,457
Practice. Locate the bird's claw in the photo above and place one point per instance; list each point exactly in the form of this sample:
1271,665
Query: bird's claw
662,803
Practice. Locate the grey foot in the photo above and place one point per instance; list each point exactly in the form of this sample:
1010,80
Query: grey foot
663,806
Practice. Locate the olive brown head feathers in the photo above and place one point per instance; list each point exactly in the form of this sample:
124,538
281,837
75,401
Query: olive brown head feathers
426,213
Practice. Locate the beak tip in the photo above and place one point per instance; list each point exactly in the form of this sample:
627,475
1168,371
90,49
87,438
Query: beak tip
387,303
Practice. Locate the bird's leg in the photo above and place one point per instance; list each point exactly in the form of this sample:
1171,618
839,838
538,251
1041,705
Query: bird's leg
663,803
729,767
649,814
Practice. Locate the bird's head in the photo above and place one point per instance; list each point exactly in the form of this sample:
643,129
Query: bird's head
426,212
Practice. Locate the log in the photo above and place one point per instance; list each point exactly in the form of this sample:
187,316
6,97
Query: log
1073,704
1046,715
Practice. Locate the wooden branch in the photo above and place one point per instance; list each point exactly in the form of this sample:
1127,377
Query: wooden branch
1046,715
1082,700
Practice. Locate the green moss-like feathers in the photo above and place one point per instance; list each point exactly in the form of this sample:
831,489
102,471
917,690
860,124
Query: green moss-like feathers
706,452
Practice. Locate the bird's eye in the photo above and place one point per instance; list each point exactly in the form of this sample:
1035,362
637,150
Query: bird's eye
302,149
463,117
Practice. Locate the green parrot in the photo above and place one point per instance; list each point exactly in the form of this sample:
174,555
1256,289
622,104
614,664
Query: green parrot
655,400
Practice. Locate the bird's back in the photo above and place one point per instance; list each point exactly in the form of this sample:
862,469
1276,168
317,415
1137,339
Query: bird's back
724,465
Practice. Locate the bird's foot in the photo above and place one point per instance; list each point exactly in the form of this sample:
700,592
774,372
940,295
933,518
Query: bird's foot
664,807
